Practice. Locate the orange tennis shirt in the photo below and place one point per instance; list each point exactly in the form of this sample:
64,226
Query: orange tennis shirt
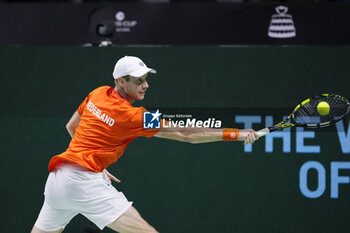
108,124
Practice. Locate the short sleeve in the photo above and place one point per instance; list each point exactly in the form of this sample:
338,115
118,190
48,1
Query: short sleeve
83,105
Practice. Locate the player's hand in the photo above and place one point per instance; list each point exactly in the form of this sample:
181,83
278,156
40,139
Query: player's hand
110,176
247,136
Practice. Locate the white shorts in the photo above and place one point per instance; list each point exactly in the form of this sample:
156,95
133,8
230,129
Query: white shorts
72,189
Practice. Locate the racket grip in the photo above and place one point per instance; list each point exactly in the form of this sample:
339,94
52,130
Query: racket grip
263,132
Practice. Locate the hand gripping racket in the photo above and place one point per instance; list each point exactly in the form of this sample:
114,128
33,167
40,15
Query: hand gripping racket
308,113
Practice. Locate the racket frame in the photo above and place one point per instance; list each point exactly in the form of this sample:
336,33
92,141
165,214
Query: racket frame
283,124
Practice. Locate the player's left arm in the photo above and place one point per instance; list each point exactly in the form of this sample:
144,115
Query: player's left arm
204,135
73,123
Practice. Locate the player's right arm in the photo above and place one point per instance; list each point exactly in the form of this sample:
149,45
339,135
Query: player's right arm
73,123
204,135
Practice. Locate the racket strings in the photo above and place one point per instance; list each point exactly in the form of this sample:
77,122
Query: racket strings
339,108
308,113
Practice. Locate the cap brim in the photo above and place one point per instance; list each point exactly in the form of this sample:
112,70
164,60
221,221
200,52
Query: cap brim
140,72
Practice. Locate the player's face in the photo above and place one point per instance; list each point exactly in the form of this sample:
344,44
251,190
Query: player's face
136,88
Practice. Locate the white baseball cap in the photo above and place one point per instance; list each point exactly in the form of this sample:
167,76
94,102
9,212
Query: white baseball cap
132,66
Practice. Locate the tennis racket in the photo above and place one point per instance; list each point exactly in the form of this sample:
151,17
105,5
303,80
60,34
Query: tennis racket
309,115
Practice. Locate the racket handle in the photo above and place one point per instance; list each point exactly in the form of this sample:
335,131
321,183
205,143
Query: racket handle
263,132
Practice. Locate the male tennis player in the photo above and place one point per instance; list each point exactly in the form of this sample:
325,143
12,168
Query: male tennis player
102,127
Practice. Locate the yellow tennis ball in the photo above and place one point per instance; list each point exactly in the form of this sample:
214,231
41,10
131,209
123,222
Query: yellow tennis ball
323,108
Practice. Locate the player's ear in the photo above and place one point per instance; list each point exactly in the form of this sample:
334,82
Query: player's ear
120,82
